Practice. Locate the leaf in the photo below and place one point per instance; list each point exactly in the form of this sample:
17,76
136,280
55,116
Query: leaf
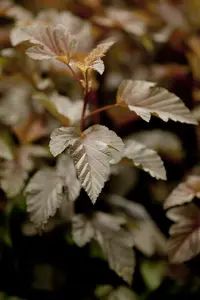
13,177
148,238
153,273
51,42
120,256
44,194
67,108
103,290
116,244
163,142
14,105
82,230
92,152
51,107
28,153
5,151
123,179
172,15
184,242
145,158
146,98
93,60
184,192
66,171
31,130
128,20
78,27
132,209
122,293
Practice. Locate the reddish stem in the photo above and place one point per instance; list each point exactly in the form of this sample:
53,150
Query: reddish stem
97,111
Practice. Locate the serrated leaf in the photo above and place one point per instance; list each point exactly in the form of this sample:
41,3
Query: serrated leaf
93,60
44,194
13,177
5,151
66,171
51,42
146,98
185,192
82,230
184,242
92,152
145,158
120,257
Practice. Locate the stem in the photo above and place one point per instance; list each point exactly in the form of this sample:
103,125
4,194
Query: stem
97,111
85,101
74,75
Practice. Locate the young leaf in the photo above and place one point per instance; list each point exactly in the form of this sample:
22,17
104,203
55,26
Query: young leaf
93,60
146,98
44,194
13,177
145,158
5,151
92,152
51,42
82,230
184,242
184,192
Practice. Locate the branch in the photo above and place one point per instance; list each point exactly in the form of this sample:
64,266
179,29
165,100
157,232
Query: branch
85,101
99,110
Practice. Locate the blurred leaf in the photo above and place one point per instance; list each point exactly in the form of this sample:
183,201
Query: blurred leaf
148,238
122,293
164,142
44,194
116,244
184,241
184,192
5,151
153,273
82,230
14,106
13,177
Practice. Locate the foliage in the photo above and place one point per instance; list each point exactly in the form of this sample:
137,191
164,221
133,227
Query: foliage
87,157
